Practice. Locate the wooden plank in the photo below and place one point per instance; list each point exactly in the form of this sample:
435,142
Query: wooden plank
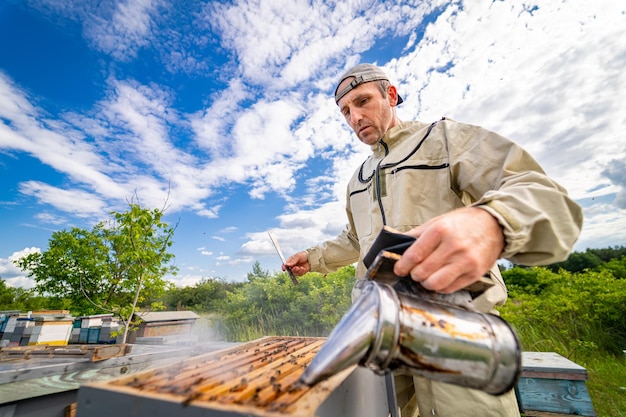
103,352
554,375
49,312
94,353
62,382
24,379
70,410
551,364
554,395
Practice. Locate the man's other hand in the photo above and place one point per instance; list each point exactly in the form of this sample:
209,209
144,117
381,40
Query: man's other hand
299,263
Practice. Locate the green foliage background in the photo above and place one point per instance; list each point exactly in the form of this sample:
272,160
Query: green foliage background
271,304
573,312
581,316
274,306
575,308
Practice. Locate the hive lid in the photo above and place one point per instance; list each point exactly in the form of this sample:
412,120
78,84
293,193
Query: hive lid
551,365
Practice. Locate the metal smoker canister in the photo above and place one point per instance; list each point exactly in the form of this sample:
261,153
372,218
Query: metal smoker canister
388,330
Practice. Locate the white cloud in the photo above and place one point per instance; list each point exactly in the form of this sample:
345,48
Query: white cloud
13,105
548,86
284,43
127,29
241,260
76,202
20,282
548,77
185,280
596,233
551,87
11,274
615,170
49,218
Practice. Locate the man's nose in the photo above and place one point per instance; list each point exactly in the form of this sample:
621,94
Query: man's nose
355,116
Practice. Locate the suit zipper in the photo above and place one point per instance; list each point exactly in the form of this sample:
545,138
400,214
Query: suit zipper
377,182
378,168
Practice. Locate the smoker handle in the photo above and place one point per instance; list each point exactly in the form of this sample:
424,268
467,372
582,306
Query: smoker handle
390,240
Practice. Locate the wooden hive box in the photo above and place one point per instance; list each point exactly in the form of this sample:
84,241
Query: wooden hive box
253,379
550,383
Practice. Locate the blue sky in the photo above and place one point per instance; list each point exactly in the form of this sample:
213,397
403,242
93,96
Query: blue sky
223,111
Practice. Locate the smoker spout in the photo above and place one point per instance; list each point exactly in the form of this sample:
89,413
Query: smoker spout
358,336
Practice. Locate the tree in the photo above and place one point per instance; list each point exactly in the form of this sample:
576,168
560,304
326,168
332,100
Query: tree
75,267
114,267
204,296
577,262
23,299
523,279
139,242
272,305
607,254
257,272
617,267
7,296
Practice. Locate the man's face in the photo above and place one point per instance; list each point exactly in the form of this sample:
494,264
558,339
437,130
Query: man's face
367,112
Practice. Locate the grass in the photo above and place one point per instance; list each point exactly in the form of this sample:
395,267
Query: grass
606,384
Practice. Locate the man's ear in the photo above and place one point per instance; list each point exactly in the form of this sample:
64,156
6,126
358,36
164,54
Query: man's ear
392,95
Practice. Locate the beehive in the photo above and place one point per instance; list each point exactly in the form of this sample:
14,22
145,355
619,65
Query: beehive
253,379
551,383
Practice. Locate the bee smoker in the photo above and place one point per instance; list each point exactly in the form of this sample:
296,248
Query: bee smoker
397,325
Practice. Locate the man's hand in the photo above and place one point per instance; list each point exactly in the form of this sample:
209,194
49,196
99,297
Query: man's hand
299,264
453,250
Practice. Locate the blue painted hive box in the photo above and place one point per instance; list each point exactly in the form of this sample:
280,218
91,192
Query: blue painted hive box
551,383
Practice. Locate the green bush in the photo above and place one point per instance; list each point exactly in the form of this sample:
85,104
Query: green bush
269,305
567,311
